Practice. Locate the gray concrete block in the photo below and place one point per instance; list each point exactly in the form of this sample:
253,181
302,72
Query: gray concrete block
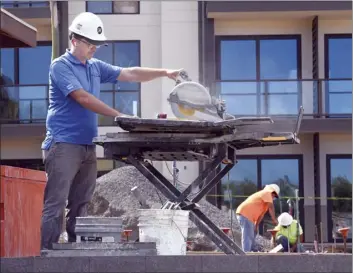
61,264
333,263
23,264
230,263
99,253
174,264
286,263
117,264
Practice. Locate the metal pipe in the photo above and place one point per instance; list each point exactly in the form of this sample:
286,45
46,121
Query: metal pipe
316,247
321,239
175,174
297,216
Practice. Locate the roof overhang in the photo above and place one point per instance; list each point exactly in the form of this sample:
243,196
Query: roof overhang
268,6
14,32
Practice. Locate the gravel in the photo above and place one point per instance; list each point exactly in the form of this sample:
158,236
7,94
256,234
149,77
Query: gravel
113,197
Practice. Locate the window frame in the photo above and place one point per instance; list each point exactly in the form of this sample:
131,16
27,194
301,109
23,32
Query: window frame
258,159
17,64
258,80
329,203
15,4
113,92
114,13
16,83
327,38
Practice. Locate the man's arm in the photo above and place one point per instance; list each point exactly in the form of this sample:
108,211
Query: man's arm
70,86
90,102
271,210
145,74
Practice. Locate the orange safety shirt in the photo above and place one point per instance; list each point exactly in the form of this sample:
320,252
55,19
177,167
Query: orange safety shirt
256,205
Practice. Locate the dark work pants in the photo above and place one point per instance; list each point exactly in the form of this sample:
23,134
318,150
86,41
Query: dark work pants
71,176
283,240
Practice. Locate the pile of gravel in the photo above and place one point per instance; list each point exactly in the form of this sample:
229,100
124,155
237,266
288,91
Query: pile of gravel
113,198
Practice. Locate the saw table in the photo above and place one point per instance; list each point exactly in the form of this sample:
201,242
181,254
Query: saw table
182,140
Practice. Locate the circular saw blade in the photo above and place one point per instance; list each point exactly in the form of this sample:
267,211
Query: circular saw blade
187,98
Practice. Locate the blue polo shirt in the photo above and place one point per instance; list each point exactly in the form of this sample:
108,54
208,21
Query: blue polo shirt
68,121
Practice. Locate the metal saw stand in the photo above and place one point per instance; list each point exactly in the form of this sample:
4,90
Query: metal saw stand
213,142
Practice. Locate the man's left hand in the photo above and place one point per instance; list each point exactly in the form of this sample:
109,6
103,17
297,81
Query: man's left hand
173,74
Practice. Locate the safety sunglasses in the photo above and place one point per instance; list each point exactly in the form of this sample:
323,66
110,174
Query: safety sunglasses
88,44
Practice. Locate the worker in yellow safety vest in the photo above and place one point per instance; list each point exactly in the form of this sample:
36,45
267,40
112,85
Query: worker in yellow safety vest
287,234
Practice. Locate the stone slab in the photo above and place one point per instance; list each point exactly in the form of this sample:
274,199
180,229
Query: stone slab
67,264
101,245
191,263
118,264
174,264
227,263
25,264
98,253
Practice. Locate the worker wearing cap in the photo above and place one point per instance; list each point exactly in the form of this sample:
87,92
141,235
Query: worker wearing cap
287,233
68,152
251,212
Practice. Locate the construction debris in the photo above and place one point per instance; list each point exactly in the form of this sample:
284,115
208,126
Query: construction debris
113,197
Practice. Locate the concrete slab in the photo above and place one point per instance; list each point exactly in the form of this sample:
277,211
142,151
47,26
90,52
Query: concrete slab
191,263
118,264
25,264
66,264
227,263
286,263
333,263
174,264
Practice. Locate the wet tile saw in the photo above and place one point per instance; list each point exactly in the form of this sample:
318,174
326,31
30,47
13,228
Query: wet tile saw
190,100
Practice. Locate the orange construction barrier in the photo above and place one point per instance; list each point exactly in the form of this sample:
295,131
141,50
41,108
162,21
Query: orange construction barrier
21,204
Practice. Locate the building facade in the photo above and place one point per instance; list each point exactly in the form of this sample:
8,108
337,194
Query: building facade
262,58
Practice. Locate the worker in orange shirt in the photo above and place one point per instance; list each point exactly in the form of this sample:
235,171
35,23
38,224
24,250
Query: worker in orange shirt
251,212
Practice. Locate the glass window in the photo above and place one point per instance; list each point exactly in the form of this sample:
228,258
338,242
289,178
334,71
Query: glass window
240,182
109,7
40,57
23,4
100,7
127,102
251,174
284,173
106,54
238,60
127,54
33,103
340,169
278,59
124,96
7,58
250,71
339,67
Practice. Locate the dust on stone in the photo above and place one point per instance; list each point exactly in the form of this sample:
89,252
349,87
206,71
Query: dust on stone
112,197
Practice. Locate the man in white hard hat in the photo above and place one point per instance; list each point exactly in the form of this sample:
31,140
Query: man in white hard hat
251,212
287,233
68,152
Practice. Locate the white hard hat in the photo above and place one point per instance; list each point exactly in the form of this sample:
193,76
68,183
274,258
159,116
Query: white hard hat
273,187
90,26
285,219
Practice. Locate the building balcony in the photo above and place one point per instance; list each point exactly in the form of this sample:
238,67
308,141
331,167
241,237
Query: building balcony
327,103
27,9
23,104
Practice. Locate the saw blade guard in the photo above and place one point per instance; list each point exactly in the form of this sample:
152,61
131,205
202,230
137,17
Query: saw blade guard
191,100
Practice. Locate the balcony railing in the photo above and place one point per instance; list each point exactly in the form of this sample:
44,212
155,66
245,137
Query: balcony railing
24,4
320,98
21,104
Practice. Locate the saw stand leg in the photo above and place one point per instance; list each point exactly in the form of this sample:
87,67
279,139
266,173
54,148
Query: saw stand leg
205,225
